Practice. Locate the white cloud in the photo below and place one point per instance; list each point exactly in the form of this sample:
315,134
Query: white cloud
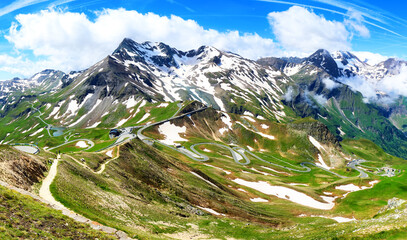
355,23
360,84
369,57
301,30
18,4
71,41
330,84
395,85
298,29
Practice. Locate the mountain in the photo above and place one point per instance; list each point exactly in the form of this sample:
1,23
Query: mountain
208,144
319,92
157,72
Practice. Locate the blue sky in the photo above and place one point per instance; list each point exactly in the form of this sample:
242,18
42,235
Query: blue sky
74,34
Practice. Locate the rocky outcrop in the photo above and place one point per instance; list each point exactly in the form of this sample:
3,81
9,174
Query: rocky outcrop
317,130
19,169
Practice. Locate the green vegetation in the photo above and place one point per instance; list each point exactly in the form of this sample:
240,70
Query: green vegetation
21,217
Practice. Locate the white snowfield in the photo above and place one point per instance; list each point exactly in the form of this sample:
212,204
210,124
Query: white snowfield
211,211
288,194
353,188
225,171
227,120
321,162
145,116
171,133
131,102
316,143
249,118
198,176
258,200
260,133
36,132
273,170
81,144
109,153
337,219
161,105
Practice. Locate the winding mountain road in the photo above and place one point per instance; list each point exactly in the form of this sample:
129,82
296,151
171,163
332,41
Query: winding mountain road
238,153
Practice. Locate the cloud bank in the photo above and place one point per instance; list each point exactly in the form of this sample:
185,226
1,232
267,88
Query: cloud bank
71,41
301,30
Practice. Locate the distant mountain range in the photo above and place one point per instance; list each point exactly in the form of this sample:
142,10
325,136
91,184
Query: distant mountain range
280,89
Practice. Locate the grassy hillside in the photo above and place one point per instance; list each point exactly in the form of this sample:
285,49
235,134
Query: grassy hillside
22,217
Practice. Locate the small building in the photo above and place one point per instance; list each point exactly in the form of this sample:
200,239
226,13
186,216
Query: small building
114,133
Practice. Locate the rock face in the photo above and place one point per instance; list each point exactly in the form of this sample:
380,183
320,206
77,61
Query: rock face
19,169
317,130
392,204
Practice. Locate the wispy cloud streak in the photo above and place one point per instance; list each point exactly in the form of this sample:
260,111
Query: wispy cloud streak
378,15
18,4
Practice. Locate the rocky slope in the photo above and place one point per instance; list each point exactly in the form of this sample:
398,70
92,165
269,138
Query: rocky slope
19,169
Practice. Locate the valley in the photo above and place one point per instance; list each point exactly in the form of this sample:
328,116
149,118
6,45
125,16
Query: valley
208,145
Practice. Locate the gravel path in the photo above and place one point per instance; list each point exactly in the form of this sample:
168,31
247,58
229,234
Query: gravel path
47,198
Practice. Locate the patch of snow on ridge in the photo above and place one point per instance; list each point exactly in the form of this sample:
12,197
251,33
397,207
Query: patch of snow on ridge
131,102
94,125
211,211
247,113
258,200
264,126
163,105
199,176
35,133
260,133
288,194
171,133
249,118
316,143
145,116
321,162
223,130
227,120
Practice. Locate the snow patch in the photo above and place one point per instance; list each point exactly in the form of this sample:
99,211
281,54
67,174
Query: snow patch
81,144
163,105
199,176
109,153
288,194
211,211
258,200
225,171
316,143
145,116
227,120
321,162
171,133
249,118
36,132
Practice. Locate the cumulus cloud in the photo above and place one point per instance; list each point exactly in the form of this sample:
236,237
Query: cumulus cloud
71,41
301,30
